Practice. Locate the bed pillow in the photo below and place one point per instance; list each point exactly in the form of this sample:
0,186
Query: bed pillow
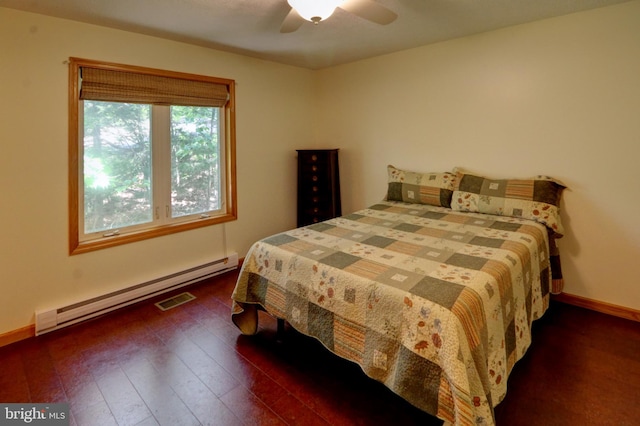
434,189
536,198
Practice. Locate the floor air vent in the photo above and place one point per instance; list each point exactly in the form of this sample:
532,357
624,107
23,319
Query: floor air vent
174,301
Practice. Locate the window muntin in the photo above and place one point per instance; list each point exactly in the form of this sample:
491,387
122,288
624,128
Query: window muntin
151,166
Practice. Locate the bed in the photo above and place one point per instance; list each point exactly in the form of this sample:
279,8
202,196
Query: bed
432,291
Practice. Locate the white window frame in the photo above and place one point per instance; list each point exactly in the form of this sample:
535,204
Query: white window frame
163,223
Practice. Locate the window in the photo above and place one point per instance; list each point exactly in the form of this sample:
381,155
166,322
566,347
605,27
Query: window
151,153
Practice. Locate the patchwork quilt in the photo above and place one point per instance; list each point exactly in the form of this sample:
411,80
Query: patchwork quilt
434,303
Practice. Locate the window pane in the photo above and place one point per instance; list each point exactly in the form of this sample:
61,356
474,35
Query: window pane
195,160
117,165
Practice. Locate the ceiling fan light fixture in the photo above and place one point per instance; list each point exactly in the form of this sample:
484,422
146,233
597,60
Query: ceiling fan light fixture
315,10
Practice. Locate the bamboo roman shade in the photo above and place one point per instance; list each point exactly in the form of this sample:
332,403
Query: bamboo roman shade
109,85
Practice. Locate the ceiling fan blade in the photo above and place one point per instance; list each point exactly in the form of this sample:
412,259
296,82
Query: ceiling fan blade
369,10
291,22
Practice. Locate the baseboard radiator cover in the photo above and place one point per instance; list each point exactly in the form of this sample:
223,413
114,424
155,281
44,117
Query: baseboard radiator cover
54,319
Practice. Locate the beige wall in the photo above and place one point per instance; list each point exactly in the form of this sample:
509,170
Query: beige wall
273,118
558,97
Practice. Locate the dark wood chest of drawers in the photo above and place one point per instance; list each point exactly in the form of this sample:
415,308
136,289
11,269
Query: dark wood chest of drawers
318,186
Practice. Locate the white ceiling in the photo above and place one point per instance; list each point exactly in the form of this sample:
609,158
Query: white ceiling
252,27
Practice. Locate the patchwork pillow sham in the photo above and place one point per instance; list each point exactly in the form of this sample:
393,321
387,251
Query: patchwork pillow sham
435,189
536,198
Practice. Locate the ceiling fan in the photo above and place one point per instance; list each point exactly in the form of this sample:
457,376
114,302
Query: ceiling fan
319,10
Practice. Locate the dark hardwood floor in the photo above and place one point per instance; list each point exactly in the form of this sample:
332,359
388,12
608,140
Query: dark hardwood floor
190,365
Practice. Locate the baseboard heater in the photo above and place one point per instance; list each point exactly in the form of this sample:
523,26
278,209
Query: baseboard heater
54,319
